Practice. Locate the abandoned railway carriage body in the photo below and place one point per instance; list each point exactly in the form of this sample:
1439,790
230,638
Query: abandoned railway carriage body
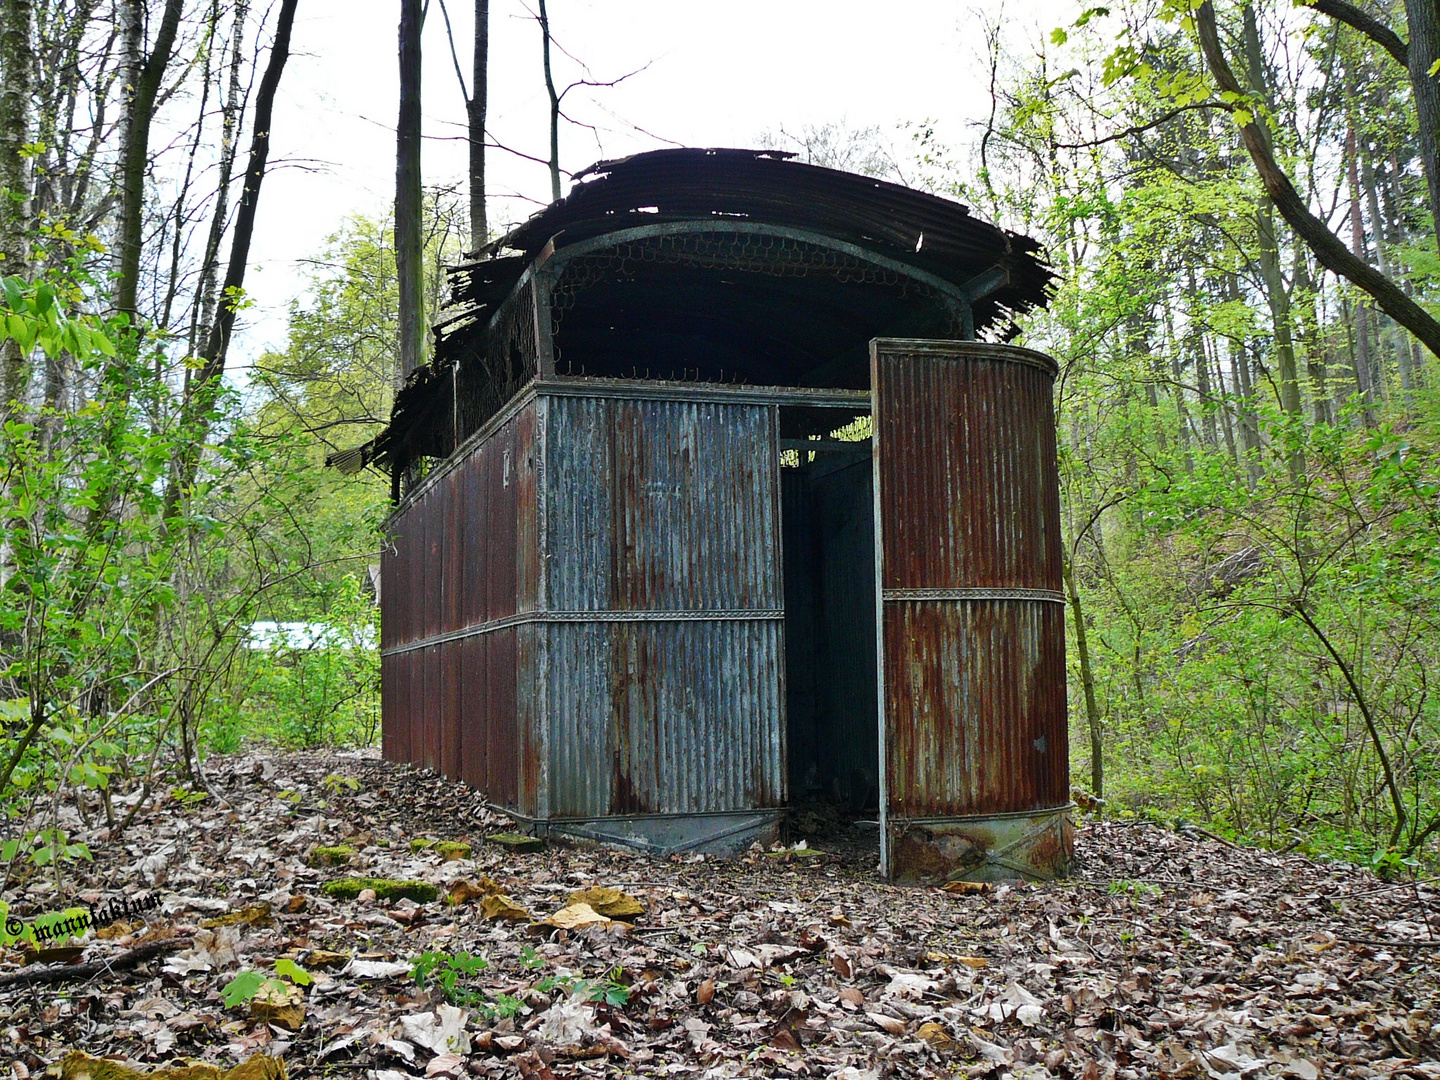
710,501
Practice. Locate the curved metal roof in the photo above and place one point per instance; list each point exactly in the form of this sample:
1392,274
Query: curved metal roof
933,235
934,242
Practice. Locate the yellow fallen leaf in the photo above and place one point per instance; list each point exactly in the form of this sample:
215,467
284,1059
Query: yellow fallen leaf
575,915
612,903
461,890
972,961
500,906
936,1036
251,915
965,888
77,1065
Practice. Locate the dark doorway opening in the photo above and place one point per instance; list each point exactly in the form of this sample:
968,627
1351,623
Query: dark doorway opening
828,537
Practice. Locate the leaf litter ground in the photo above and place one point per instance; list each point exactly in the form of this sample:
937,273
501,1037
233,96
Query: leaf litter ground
1165,955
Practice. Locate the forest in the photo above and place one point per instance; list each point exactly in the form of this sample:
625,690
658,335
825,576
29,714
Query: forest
1238,207
1239,204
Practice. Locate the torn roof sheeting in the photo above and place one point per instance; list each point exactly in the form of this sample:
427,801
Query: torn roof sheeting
716,317
921,230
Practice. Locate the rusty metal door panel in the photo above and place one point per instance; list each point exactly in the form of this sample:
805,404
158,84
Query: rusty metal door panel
659,648
983,676
517,476
971,631
972,442
415,593
664,717
660,505
412,690
392,571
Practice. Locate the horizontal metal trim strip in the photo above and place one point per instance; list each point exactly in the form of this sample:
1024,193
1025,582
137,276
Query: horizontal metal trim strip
759,812
530,617
898,822
1053,596
655,390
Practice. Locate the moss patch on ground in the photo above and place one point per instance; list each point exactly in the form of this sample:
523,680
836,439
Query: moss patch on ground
348,888
331,856
453,849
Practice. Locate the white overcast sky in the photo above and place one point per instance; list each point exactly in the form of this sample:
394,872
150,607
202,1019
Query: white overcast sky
718,75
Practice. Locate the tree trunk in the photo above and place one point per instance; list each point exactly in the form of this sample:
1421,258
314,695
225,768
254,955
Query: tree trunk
1394,337
475,112
1276,294
217,342
1227,425
1310,336
1196,349
408,244
1177,386
144,80
16,62
1364,370
203,390
554,108
1087,683
1245,396
1423,19
202,315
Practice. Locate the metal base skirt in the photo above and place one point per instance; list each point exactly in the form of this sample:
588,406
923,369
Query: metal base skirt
1033,844
723,834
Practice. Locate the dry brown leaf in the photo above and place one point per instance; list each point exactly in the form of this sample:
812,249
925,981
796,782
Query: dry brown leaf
500,906
841,965
853,995
612,903
705,992
972,961
283,1006
889,1023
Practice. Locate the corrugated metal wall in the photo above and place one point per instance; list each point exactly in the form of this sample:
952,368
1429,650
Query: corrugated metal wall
973,670
662,657
463,557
